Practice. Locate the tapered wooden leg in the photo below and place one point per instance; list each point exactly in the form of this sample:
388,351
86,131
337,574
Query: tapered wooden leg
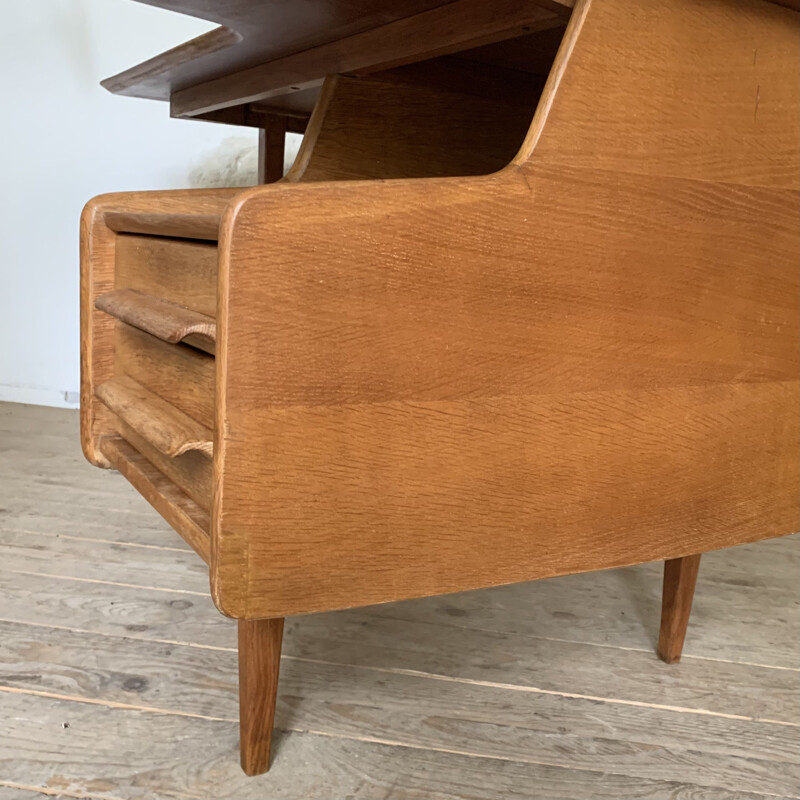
680,576
271,149
259,664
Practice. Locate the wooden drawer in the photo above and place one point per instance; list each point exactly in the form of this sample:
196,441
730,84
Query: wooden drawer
181,271
178,373
156,395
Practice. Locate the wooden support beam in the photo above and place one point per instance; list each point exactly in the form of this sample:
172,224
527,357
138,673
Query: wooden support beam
271,149
259,665
680,576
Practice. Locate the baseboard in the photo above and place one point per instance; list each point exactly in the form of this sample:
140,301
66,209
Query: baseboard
35,396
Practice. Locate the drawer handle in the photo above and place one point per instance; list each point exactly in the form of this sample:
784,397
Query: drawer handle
165,427
167,321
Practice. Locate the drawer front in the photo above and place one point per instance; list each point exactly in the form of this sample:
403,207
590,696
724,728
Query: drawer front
181,375
148,339
161,390
180,271
190,472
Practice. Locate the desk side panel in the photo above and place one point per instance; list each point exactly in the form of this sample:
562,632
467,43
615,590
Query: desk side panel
433,386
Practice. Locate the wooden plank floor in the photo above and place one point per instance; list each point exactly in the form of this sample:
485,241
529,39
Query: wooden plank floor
118,676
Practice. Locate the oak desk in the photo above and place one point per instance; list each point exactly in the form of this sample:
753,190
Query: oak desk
525,305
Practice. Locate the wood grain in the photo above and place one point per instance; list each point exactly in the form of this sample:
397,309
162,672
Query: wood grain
724,110
413,122
181,271
404,366
181,512
169,322
184,213
321,767
259,665
184,376
463,371
494,721
192,213
680,577
165,427
191,472
445,29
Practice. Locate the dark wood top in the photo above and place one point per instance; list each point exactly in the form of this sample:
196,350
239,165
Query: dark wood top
253,32
280,46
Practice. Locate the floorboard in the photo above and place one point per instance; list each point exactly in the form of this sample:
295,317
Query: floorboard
118,676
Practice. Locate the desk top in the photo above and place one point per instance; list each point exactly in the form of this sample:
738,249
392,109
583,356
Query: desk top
281,47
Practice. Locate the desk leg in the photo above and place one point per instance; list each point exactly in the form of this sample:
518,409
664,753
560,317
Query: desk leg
271,149
680,576
259,664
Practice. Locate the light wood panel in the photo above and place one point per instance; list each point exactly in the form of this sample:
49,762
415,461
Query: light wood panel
164,426
690,90
190,213
178,270
191,472
167,321
416,354
464,371
183,376
181,513
445,120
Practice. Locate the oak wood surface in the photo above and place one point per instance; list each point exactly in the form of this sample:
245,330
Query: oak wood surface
321,766
183,376
167,321
464,371
178,270
259,665
164,426
449,120
680,577
189,213
724,111
191,472
178,509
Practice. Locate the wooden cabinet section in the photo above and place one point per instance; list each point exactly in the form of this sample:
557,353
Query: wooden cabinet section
518,310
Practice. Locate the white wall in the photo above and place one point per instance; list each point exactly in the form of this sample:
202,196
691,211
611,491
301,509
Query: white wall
65,139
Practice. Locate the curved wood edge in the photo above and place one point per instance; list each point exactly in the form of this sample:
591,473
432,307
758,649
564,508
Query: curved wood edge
183,213
177,508
167,428
142,79
166,321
